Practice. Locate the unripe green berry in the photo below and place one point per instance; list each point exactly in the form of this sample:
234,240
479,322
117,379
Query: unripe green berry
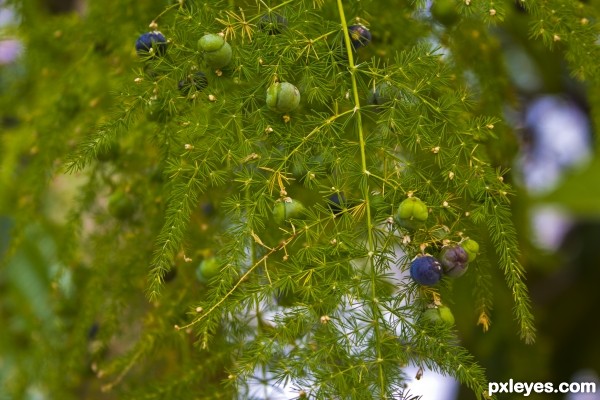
207,269
211,42
471,247
283,97
286,209
412,213
217,52
446,315
438,315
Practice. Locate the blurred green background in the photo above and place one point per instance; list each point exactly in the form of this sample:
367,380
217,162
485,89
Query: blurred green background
62,61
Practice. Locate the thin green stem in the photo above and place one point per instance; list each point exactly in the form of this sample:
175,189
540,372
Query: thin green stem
366,191
166,10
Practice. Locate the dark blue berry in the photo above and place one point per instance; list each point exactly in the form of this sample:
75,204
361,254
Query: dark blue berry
426,270
170,274
382,93
93,331
273,24
151,41
336,202
208,208
360,36
196,81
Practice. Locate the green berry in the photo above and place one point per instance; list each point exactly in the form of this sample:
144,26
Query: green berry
412,213
471,247
217,52
446,315
438,315
208,269
286,209
120,205
431,316
283,97
211,42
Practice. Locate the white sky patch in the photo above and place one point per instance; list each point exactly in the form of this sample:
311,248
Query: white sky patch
432,386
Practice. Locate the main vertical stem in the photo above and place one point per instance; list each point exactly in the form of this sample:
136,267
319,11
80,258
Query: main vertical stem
366,191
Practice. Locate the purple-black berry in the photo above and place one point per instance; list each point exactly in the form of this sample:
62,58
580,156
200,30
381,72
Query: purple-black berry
426,270
273,23
382,93
360,36
454,260
337,202
196,81
151,43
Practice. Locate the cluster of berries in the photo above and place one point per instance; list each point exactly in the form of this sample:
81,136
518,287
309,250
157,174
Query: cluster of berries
453,261
216,51
282,97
